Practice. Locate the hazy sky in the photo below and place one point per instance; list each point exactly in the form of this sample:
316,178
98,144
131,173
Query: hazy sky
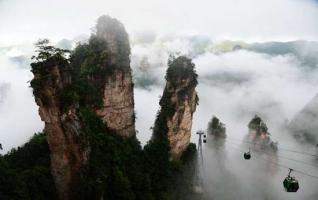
253,20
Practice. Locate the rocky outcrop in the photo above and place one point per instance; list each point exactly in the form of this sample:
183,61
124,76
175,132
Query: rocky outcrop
118,98
96,72
216,128
180,124
68,147
259,135
178,104
118,104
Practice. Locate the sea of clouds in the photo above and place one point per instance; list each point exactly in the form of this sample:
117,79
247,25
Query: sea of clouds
234,85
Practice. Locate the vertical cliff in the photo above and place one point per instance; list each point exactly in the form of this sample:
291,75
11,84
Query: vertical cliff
178,104
94,78
68,147
118,98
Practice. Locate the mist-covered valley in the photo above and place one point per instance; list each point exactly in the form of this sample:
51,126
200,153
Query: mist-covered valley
234,85
252,58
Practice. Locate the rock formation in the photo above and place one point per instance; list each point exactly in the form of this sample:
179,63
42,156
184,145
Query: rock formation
178,104
69,150
259,135
216,128
97,72
118,97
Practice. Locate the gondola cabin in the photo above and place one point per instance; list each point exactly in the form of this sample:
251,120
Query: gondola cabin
247,155
291,184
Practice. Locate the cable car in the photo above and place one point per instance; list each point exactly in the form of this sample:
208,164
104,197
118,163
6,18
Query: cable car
247,155
290,183
204,140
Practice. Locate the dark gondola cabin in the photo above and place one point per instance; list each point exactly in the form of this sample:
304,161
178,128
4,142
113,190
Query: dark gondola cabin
204,140
290,183
247,155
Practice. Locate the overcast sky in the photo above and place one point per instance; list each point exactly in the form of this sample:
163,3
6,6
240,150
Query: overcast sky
252,20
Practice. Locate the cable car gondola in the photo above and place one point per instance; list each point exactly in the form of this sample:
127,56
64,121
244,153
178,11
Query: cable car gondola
290,183
247,155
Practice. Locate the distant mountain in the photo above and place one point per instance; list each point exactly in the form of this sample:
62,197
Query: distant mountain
305,124
305,51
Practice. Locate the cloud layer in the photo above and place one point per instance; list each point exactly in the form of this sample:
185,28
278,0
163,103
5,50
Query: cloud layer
19,118
254,20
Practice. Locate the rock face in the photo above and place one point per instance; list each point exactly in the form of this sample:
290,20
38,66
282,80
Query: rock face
68,147
178,104
118,104
102,66
118,97
180,125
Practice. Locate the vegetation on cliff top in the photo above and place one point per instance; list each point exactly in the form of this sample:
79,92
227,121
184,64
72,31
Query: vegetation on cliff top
216,127
181,68
258,124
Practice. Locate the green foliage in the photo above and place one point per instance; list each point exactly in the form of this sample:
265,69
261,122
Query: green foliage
25,172
47,52
120,169
91,64
69,97
216,127
181,68
185,175
92,59
170,179
258,124
158,167
255,122
116,167
47,57
110,26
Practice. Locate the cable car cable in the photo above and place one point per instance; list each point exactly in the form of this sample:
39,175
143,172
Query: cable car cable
280,148
284,166
287,158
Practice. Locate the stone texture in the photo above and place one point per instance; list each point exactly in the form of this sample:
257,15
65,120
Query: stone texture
180,126
69,150
118,104
118,94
